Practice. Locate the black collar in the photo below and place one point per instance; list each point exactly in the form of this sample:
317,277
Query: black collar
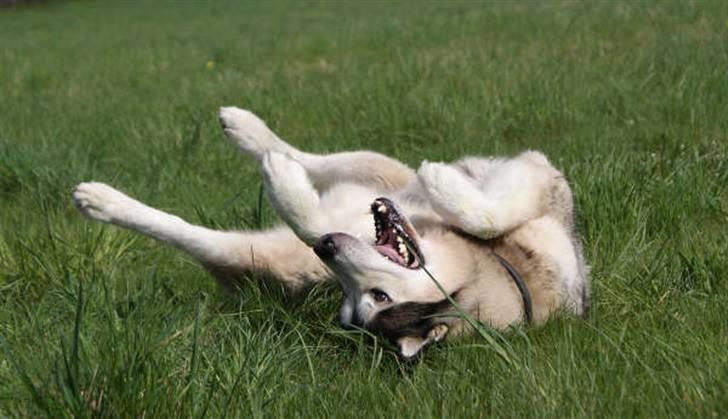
521,284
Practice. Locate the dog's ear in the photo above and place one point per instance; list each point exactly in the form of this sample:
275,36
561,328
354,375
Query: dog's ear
410,346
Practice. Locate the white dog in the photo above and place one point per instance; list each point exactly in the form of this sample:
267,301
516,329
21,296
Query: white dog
497,235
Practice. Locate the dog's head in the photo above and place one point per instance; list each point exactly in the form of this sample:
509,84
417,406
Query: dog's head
387,290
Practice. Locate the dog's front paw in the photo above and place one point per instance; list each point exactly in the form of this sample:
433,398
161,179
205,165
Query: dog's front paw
442,182
247,131
455,198
100,201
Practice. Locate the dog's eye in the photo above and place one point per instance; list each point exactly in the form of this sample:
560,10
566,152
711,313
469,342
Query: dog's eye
380,296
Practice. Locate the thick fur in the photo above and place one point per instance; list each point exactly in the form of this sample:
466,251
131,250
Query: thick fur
520,208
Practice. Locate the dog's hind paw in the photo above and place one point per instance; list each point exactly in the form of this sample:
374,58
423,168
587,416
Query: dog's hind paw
100,201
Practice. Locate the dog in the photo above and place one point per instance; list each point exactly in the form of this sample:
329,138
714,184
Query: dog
416,253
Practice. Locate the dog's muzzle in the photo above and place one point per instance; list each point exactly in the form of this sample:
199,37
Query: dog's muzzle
327,246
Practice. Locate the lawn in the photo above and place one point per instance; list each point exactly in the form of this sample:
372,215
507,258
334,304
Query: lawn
629,99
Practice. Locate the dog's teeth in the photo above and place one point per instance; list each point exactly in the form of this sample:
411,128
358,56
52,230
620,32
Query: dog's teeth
402,249
399,239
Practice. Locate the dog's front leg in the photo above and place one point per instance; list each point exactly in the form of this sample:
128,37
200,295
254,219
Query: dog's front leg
253,137
458,200
506,195
293,197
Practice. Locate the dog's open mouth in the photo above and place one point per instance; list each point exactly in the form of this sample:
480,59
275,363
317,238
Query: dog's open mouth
396,238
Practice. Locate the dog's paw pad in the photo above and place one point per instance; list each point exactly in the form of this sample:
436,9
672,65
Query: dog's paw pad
98,200
235,118
246,130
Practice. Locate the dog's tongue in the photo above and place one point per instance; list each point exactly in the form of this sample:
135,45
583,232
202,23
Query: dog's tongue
389,252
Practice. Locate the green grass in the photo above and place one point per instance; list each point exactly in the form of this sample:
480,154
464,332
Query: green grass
629,99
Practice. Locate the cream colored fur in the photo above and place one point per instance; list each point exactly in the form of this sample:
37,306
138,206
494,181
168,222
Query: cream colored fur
520,208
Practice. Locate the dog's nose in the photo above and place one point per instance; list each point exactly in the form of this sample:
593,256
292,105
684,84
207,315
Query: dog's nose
325,246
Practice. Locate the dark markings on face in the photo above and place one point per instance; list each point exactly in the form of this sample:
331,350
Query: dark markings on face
410,319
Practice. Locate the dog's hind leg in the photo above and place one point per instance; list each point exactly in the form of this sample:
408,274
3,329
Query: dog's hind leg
226,254
254,137
489,197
